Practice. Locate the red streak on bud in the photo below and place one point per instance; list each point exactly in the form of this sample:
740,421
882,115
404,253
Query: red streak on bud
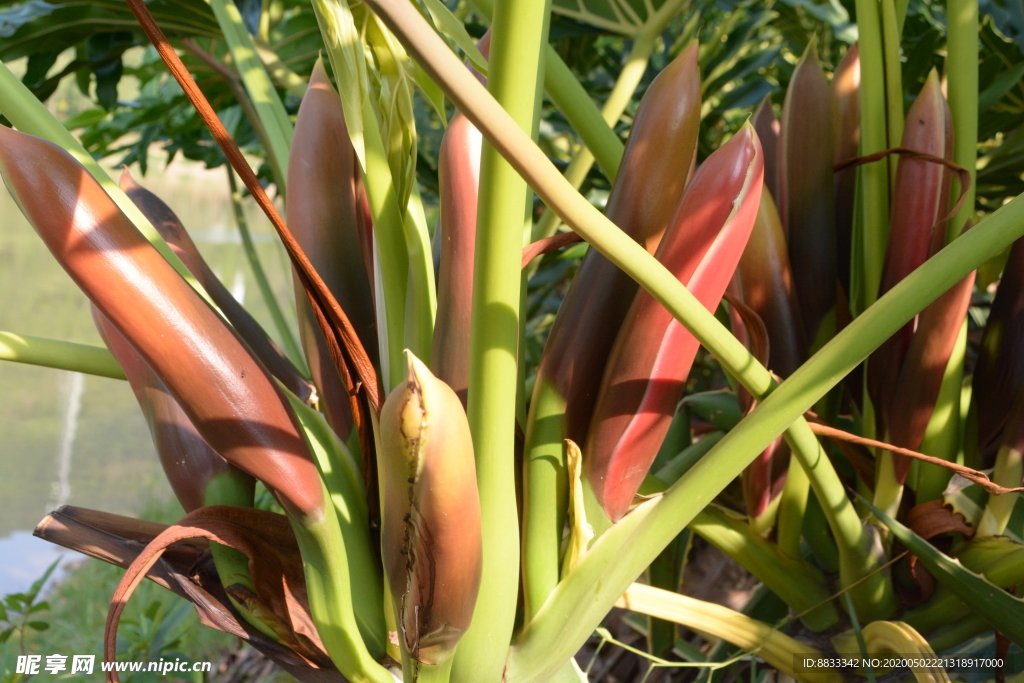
653,352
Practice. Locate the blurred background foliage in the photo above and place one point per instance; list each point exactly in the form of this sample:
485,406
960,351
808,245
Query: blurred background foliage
748,51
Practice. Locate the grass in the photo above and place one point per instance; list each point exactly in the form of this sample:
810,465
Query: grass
155,624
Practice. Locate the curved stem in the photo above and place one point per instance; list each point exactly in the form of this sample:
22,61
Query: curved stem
584,597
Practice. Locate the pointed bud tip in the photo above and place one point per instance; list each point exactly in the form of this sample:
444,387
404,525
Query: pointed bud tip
319,78
127,182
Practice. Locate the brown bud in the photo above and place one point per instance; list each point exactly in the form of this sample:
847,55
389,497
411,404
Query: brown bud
431,516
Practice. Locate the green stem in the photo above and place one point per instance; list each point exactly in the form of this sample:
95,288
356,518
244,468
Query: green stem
801,586
873,178
1008,472
586,595
962,86
518,35
570,97
390,252
328,584
343,479
421,300
287,338
51,353
264,97
234,488
545,496
888,490
792,509
942,435
893,81
873,594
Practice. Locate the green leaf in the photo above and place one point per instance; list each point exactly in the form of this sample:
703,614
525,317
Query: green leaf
5,635
626,17
38,607
38,584
89,117
434,94
452,27
348,60
38,625
1000,609
1000,86
720,408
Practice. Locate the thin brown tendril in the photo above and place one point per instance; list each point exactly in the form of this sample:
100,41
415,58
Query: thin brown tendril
972,475
962,173
548,244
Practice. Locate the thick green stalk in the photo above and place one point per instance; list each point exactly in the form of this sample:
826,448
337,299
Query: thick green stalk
873,178
800,585
792,509
942,436
51,353
277,315
390,254
518,36
545,497
230,488
261,90
29,115
569,96
894,118
873,596
962,86
330,600
582,600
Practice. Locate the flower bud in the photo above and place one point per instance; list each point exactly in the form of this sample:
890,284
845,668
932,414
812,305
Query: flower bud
431,515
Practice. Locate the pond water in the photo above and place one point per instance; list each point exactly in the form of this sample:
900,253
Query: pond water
71,438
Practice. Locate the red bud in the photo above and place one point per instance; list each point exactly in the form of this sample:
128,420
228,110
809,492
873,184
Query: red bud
643,201
653,352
